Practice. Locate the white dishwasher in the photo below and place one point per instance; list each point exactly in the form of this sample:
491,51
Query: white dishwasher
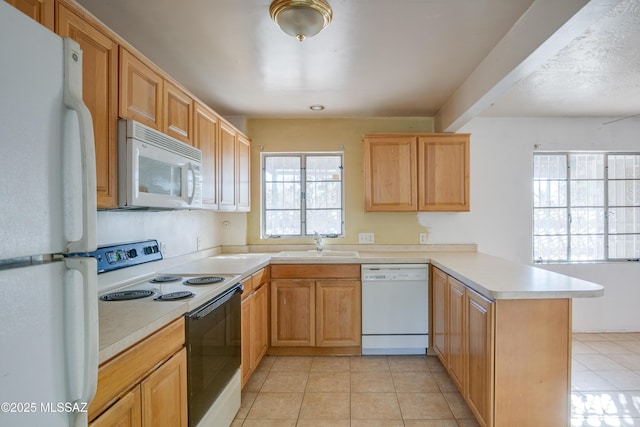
395,309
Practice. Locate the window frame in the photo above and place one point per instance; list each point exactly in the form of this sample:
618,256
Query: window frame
303,200
606,207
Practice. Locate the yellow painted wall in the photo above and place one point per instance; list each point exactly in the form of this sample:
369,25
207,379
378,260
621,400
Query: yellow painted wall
293,135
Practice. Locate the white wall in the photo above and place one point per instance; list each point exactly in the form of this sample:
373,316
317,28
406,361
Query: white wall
500,218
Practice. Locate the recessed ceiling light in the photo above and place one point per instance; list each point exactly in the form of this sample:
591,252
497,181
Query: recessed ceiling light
316,107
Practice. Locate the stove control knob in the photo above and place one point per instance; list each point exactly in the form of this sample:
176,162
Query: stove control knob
132,253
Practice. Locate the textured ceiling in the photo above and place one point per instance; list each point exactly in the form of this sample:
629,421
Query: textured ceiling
597,74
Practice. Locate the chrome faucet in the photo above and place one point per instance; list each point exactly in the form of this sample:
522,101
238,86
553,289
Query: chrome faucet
318,238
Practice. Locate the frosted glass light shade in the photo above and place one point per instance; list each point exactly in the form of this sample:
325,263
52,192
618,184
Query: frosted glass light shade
301,18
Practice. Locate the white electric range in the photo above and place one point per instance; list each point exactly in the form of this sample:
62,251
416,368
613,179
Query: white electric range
194,288
210,303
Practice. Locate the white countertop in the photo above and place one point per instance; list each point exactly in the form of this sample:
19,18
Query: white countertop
496,278
242,264
124,323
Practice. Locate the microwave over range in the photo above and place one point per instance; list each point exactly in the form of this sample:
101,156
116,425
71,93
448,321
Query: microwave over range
155,170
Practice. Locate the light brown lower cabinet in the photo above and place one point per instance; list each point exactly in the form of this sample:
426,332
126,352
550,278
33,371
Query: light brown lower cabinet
126,412
479,387
164,394
338,313
255,322
457,348
510,359
146,385
315,309
440,313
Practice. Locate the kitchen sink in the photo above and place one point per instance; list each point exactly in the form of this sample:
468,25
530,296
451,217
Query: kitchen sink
312,253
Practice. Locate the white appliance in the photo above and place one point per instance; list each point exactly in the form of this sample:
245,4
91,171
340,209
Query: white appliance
155,170
48,303
395,309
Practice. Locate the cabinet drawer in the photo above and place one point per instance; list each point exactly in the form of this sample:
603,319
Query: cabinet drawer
315,271
259,278
118,374
247,284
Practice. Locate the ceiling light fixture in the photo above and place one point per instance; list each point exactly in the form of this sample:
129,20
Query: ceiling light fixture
301,18
316,107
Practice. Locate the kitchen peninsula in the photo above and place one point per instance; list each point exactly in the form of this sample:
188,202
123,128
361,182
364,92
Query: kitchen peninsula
502,330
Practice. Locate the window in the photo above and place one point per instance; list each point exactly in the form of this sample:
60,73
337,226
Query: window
586,207
302,193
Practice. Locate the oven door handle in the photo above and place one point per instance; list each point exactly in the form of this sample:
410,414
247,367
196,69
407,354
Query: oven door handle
205,310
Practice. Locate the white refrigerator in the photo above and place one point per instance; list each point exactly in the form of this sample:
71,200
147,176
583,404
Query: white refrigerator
48,300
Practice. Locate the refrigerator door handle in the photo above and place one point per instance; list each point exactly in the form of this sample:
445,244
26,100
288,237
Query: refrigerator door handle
73,100
84,334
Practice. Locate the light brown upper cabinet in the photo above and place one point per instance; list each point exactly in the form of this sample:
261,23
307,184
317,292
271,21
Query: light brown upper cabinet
243,174
390,173
416,172
205,138
234,170
100,94
41,11
227,168
443,172
140,91
178,112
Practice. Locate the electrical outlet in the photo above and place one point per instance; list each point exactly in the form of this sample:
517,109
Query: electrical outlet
198,243
365,238
424,237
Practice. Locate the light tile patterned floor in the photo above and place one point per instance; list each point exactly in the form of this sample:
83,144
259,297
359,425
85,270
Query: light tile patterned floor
605,380
412,391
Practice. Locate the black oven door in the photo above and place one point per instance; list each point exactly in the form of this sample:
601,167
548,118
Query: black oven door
213,350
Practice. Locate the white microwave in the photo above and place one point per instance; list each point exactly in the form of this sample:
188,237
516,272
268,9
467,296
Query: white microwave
155,170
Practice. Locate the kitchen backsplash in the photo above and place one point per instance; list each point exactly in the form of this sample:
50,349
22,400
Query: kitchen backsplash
179,232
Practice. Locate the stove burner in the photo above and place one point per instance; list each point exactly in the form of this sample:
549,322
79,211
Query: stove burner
126,295
165,279
173,296
203,280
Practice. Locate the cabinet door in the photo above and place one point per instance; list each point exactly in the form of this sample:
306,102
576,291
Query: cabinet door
243,180
227,168
479,392
126,412
164,394
100,94
245,345
443,172
457,332
338,313
293,313
440,308
41,11
259,325
178,112
390,176
140,91
205,138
